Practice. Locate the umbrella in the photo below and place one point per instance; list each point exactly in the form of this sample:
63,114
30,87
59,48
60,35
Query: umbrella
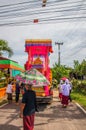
33,77
64,78
20,77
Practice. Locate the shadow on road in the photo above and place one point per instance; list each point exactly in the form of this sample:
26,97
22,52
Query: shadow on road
42,106
55,111
11,112
8,127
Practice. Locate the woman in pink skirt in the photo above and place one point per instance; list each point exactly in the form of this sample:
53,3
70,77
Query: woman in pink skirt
60,90
65,93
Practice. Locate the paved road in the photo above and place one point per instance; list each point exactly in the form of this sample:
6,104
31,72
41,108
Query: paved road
50,117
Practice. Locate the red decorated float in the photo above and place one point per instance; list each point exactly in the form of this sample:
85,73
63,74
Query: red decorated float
38,51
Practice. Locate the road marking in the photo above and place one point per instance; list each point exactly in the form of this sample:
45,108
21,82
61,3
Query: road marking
3,105
81,108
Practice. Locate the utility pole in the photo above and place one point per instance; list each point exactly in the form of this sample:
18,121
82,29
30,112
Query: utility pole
57,43
44,3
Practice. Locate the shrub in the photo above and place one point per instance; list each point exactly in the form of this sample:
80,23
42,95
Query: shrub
79,86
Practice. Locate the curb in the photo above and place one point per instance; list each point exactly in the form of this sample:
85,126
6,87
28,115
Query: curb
3,105
81,108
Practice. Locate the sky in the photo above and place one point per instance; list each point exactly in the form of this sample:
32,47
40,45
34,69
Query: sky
71,32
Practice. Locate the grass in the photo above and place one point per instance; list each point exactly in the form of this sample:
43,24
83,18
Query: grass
80,98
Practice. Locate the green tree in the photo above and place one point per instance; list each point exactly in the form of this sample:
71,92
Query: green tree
83,65
79,69
60,71
5,48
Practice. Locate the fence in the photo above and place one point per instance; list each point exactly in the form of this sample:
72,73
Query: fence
3,92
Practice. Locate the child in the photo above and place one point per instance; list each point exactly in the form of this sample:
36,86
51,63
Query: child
60,90
9,92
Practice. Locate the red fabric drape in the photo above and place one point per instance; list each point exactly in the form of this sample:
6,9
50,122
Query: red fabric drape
28,122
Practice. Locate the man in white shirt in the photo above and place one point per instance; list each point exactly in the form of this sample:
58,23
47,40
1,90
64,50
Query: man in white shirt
9,91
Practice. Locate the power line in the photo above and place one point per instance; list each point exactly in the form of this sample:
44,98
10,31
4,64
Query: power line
44,21
20,3
37,9
42,12
55,15
37,1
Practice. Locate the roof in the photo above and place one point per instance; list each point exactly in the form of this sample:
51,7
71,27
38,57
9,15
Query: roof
7,63
38,41
4,58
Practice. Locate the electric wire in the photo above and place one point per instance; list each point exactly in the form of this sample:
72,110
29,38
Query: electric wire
41,13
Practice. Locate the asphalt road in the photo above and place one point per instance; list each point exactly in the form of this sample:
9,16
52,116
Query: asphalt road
50,117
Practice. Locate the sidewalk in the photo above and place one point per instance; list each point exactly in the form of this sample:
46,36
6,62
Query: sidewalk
9,117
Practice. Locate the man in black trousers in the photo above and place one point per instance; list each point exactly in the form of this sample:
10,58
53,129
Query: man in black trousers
17,92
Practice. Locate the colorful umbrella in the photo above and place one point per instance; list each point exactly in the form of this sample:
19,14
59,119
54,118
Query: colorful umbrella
33,77
20,76
64,78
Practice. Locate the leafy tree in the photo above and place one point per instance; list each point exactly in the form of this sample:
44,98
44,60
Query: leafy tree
83,65
60,71
5,48
76,67
79,69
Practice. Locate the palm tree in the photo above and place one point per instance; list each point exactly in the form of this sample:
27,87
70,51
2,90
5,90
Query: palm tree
5,48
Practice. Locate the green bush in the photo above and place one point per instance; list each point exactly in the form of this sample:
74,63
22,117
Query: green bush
2,85
54,83
79,86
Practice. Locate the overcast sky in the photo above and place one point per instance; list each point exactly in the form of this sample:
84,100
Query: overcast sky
71,33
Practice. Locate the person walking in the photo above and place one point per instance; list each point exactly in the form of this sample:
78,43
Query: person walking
71,86
22,88
65,93
28,108
9,91
17,92
60,90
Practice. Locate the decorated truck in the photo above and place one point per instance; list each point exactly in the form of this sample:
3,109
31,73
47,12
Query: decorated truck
38,51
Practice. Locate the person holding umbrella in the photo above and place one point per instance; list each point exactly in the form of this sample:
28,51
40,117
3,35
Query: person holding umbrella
28,108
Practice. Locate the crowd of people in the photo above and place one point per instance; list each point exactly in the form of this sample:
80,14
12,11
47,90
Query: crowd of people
64,89
28,105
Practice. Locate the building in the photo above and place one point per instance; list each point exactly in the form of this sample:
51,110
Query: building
10,67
